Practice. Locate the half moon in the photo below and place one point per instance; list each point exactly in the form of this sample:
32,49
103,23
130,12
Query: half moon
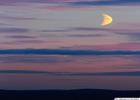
106,20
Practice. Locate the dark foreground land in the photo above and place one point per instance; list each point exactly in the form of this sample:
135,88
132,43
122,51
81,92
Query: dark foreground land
82,94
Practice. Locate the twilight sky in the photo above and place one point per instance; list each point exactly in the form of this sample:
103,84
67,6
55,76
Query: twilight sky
73,24
60,44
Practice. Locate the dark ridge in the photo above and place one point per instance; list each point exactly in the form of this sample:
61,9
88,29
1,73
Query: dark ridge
81,94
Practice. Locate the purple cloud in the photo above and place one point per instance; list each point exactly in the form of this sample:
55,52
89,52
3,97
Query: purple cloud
20,37
132,73
14,30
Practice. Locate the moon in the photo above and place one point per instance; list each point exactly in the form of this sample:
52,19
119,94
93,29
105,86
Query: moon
107,19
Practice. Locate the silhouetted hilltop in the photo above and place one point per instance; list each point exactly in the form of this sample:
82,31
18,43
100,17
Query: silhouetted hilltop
81,94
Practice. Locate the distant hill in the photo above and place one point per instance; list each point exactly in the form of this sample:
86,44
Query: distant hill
81,94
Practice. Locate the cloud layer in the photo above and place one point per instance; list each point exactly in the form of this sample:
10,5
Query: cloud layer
55,24
66,52
133,73
76,2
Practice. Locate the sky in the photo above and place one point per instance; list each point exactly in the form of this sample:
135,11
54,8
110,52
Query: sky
63,42
73,24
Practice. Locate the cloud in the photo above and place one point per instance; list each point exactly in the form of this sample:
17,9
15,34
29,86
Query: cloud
65,52
90,29
134,36
16,18
34,59
23,72
78,29
14,30
130,46
75,2
20,37
86,35
82,29
105,2
26,41
55,30
133,73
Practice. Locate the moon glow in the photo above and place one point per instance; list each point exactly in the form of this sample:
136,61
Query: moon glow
107,19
